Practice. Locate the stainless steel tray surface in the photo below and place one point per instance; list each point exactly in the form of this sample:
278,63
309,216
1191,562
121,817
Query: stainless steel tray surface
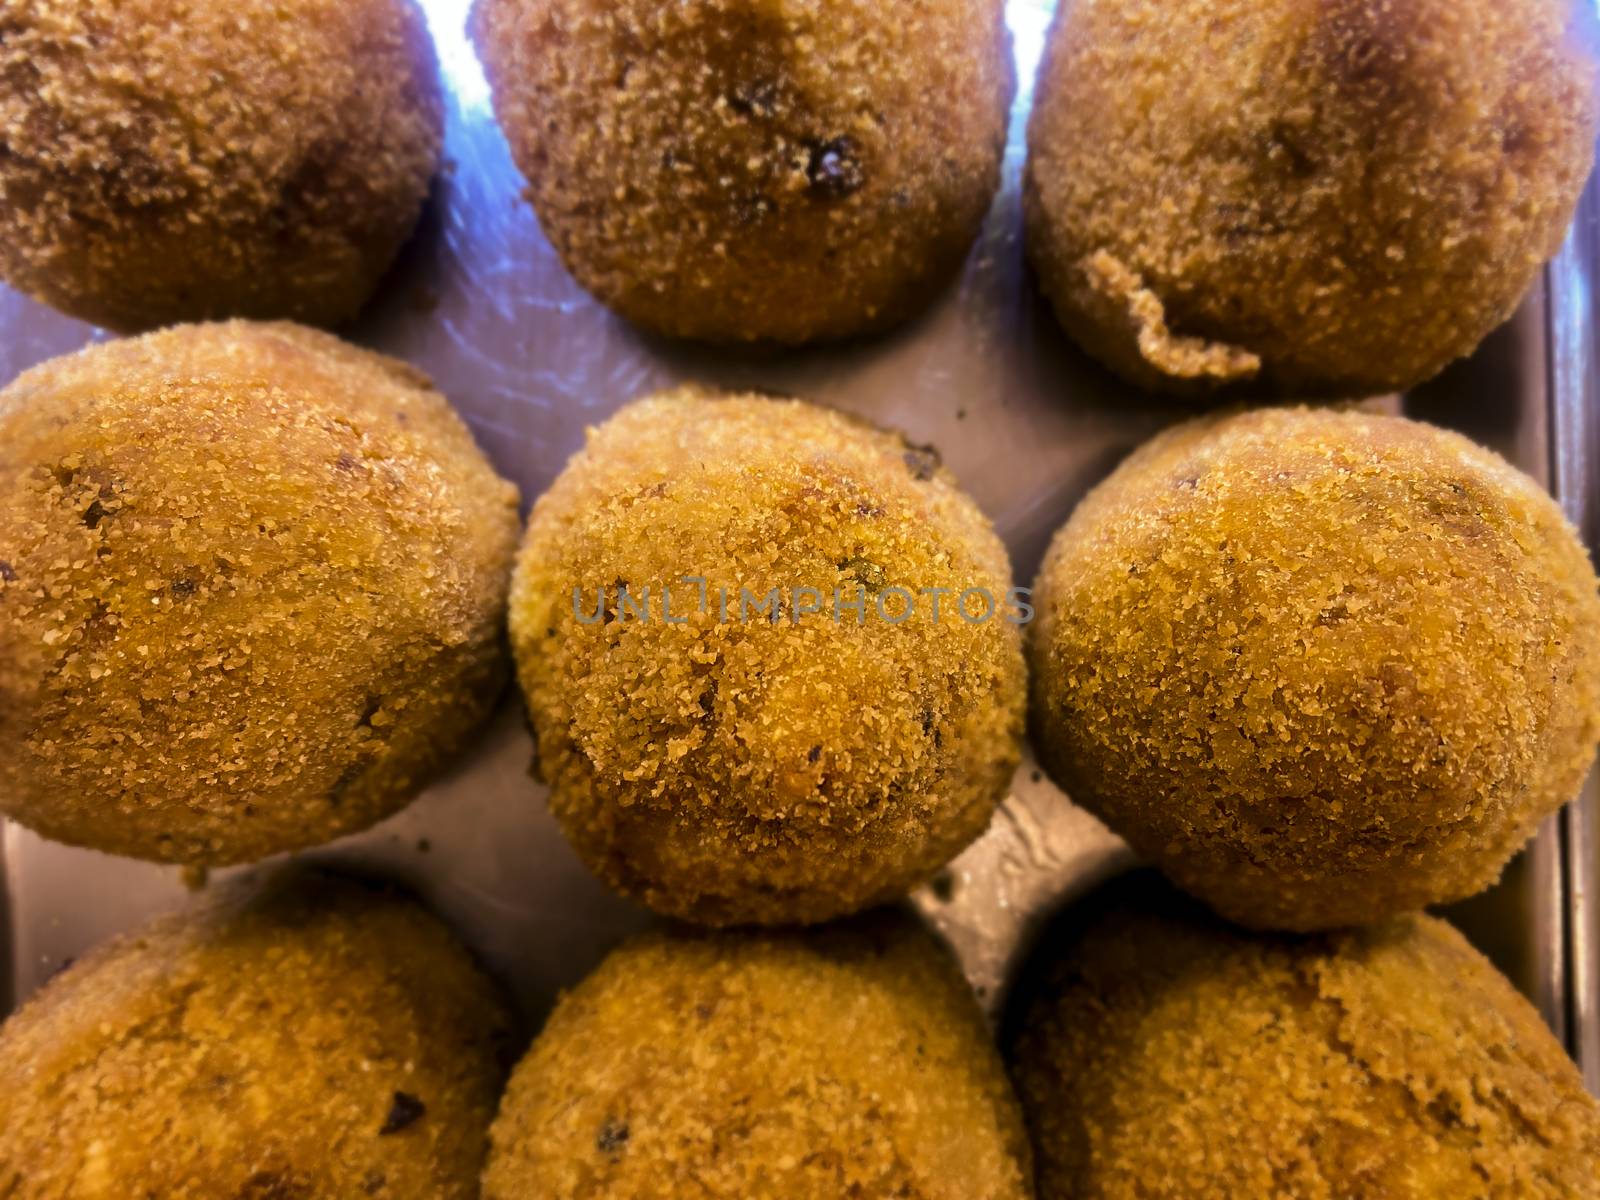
481,302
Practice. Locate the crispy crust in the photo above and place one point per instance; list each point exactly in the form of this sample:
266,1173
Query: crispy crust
745,770
166,160
783,170
1322,667
252,590
850,1062
1316,196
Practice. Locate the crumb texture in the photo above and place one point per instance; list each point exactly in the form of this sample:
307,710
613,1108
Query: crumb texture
1173,1058
851,1062
1319,196
755,170
761,769
251,589
184,160
310,1040
1322,667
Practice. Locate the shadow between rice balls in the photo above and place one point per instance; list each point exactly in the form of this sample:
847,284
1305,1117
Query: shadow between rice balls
1161,1055
1321,667
763,768
755,172
847,1061
251,589
310,1038
165,161
1334,197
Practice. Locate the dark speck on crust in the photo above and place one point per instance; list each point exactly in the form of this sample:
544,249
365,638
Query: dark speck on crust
7,572
835,171
611,1139
404,1112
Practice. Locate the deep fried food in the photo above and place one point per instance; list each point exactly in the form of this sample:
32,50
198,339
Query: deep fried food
1331,196
755,172
758,762
252,581
1169,1057
316,1038
165,161
846,1062
1321,667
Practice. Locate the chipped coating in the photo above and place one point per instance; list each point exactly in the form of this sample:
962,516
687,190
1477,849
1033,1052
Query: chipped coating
846,1062
181,160
1321,667
750,771
1174,1058
1327,196
755,170
255,1050
252,595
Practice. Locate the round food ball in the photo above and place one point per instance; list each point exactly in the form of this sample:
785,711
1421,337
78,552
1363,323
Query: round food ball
740,172
164,162
1320,667
251,589
1170,1057
752,748
1320,196
847,1062
313,1038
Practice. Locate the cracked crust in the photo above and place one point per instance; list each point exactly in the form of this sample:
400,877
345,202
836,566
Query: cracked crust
1169,1057
755,170
743,770
1320,667
258,1049
1352,192
174,160
252,594
848,1062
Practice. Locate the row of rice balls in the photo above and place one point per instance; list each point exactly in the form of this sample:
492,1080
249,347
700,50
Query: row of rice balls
1323,667
1333,198
312,1036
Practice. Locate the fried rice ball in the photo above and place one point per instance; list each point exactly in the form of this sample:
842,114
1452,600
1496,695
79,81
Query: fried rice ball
1321,667
315,1038
758,762
167,160
779,171
851,1061
1170,1057
1315,196
252,581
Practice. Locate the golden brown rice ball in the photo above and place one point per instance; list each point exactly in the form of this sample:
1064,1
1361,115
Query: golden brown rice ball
758,763
846,1062
167,160
1170,1057
1326,196
1321,667
770,171
252,581
313,1039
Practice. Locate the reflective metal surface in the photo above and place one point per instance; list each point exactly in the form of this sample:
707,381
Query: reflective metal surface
481,303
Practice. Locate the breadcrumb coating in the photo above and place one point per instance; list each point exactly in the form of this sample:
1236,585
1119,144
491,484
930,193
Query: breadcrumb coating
752,769
1321,667
1321,196
309,1040
755,170
251,588
1174,1058
849,1062
183,160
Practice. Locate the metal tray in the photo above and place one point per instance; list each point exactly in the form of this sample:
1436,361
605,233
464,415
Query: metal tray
481,302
